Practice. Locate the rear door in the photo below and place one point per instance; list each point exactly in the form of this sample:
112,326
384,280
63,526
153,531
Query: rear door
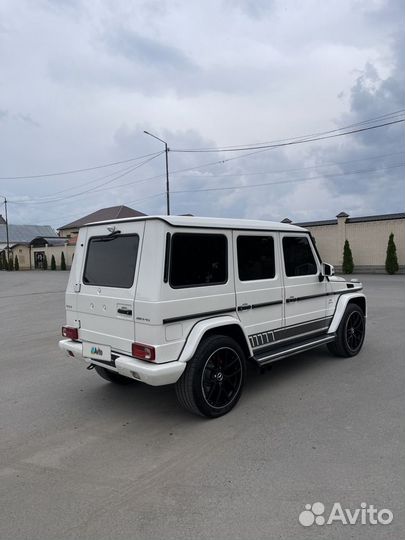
258,285
305,294
106,291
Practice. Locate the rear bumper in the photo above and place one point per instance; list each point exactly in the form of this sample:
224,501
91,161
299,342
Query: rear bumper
147,372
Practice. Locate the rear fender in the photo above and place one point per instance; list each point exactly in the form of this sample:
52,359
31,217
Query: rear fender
202,327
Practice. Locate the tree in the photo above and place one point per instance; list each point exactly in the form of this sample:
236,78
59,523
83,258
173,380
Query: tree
62,262
45,263
391,261
348,265
53,263
10,263
16,263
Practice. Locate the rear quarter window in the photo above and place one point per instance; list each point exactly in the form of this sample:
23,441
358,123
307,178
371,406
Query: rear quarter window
197,260
111,261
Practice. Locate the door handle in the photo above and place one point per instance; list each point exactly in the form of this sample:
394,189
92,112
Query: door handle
244,307
124,311
292,299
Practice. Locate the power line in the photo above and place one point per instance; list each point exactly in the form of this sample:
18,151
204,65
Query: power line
289,143
356,124
49,201
74,171
282,171
288,181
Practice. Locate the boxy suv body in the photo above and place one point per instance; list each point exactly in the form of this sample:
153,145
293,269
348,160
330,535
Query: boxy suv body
190,300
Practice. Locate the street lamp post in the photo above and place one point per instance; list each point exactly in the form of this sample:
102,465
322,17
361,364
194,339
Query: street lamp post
167,171
7,236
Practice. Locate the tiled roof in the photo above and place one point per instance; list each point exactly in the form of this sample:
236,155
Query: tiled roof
104,214
24,233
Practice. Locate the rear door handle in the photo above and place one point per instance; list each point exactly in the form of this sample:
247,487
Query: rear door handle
292,299
124,311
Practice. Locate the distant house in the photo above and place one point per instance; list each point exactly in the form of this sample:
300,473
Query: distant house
71,230
20,237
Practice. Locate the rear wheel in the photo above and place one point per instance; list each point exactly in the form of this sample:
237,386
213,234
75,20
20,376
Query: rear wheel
212,382
113,377
350,334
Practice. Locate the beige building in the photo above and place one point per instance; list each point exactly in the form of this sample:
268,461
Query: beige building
368,238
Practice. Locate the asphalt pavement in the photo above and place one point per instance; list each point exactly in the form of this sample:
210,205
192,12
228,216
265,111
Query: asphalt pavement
81,458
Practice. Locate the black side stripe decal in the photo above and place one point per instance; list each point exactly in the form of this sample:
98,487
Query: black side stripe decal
254,306
197,315
308,297
264,304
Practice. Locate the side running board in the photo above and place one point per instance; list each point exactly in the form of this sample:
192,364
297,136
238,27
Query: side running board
288,350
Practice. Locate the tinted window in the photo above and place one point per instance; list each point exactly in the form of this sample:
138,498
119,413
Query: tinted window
198,259
111,261
255,257
298,257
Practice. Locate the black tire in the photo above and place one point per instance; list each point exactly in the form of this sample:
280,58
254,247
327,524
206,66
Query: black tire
213,380
350,333
113,377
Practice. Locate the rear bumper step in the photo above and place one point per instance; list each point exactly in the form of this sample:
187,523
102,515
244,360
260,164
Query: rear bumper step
289,350
140,370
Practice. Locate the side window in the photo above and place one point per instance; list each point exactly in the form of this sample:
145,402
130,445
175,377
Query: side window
198,259
255,257
298,257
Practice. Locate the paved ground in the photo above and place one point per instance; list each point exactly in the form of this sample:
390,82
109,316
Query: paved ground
82,458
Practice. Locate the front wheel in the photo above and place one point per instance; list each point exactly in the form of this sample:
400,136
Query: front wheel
350,334
212,382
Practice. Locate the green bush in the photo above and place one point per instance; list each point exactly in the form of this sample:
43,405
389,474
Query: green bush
391,261
10,264
53,263
62,262
16,263
348,265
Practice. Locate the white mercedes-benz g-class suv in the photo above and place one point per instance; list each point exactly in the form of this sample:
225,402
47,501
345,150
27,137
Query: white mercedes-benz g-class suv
190,300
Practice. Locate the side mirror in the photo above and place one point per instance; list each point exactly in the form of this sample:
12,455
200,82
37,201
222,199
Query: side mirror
328,269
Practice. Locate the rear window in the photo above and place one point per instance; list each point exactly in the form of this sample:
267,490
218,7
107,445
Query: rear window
111,261
255,257
198,259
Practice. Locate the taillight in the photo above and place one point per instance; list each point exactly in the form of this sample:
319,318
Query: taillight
70,332
143,352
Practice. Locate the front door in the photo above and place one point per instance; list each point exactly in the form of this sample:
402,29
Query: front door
305,295
258,285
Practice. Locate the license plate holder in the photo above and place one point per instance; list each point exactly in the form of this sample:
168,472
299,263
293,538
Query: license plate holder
97,351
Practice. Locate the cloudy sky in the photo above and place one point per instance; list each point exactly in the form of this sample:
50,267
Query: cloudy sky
80,81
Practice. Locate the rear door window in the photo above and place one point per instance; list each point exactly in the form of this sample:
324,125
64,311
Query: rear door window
255,257
198,259
298,257
111,261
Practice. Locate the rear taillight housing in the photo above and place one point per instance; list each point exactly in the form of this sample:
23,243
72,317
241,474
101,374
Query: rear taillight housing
70,332
143,352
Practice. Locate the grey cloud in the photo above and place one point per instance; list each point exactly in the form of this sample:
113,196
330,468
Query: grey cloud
146,51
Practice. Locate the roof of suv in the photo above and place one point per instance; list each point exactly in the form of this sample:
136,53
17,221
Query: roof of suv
211,223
